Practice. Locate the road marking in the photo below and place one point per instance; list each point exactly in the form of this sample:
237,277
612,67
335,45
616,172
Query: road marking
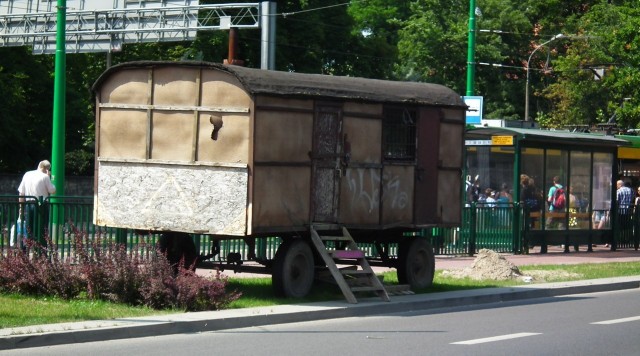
616,321
494,338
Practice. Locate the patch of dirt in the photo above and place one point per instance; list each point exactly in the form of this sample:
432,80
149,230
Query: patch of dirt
489,265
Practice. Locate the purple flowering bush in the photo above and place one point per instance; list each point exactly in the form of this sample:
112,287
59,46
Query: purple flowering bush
96,269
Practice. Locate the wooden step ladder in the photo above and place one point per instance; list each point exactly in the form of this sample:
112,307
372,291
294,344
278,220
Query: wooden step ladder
350,280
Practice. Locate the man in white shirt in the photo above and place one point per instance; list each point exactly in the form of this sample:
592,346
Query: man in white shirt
36,184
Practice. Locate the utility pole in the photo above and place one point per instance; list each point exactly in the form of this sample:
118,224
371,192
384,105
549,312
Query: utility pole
59,116
268,27
59,101
471,64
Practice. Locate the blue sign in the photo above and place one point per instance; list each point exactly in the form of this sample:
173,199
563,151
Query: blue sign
474,110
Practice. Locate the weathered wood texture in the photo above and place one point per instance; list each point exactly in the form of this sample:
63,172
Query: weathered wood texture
202,147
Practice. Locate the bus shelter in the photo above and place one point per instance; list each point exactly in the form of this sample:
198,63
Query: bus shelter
629,159
512,175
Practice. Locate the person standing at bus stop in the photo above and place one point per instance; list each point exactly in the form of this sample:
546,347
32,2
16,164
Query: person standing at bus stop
624,198
35,184
555,221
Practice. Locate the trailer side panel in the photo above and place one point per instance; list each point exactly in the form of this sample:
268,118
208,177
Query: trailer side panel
143,195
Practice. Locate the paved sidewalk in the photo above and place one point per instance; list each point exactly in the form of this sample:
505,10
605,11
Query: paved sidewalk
54,334
554,256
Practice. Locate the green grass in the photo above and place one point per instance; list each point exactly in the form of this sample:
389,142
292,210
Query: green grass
258,291
17,310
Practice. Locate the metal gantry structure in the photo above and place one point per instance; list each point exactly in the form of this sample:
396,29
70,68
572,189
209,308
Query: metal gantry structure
107,30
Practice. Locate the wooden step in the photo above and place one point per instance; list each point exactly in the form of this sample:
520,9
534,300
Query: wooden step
335,238
366,289
398,289
348,254
350,279
358,281
352,272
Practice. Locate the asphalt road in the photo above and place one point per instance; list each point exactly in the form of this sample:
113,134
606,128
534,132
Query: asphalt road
32,337
604,323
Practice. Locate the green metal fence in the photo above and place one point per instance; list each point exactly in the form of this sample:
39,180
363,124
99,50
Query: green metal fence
58,219
494,227
499,228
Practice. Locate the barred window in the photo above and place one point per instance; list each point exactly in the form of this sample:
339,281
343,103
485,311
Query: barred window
399,134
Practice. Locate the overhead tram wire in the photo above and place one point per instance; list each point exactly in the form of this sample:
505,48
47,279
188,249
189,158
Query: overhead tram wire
499,65
285,14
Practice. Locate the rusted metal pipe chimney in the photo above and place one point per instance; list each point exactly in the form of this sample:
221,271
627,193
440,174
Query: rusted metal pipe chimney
233,48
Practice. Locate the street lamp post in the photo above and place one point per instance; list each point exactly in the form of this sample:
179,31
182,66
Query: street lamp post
526,99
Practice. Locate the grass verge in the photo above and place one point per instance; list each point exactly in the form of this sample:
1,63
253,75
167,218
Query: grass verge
17,310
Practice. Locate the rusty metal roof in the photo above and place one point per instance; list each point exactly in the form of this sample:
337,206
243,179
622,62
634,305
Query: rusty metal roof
268,82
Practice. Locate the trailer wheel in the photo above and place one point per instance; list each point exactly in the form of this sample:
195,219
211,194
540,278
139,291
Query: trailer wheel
293,269
416,263
178,247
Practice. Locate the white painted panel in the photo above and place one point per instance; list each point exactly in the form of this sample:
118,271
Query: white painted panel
176,197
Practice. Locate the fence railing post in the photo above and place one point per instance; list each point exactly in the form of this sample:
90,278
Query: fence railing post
516,223
472,229
121,236
636,227
615,226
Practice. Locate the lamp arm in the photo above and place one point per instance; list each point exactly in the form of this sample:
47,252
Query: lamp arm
526,100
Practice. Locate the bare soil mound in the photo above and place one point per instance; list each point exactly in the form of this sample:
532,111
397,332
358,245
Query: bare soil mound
489,265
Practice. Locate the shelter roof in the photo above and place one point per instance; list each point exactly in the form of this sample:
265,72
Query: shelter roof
556,137
633,140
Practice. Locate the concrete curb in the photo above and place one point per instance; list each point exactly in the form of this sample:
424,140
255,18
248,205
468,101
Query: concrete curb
57,334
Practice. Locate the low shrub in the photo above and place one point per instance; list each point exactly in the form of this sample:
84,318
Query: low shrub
39,274
185,290
108,271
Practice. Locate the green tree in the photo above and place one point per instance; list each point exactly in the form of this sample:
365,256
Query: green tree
599,78
26,84
433,48
319,37
376,30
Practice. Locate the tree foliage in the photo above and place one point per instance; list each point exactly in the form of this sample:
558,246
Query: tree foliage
599,78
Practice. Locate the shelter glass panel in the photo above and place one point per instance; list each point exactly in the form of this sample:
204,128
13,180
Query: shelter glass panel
601,190
579,193
532,167
557,164
490,174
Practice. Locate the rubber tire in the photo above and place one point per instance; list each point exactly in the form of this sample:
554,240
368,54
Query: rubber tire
293,269
416,263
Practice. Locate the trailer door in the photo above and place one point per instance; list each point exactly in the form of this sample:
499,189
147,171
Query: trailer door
439,163
426,186
327,147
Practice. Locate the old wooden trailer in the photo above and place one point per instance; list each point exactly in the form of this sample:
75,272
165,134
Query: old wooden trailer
324,162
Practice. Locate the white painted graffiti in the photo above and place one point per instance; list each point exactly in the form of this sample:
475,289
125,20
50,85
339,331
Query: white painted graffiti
393,191
359,193
364,186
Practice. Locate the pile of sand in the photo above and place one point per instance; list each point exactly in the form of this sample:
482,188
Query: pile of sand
489,265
